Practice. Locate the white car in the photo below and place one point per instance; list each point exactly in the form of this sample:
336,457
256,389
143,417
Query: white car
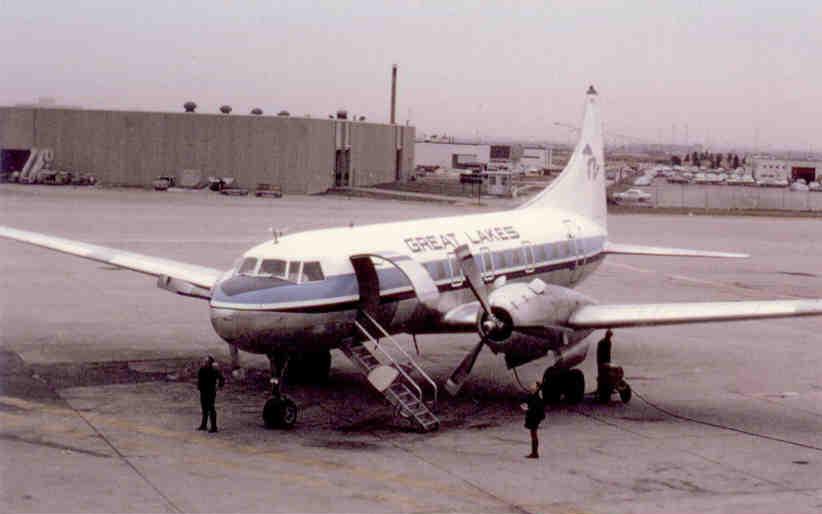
632,196
701,178
772,182
815,186
741,180
799,185
643,181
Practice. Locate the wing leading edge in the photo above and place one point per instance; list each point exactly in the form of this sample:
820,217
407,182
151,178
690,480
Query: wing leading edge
625,315
173,275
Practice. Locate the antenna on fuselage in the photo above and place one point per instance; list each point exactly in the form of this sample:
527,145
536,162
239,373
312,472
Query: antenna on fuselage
277,233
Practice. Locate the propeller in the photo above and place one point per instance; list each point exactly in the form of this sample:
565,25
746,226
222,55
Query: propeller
490,323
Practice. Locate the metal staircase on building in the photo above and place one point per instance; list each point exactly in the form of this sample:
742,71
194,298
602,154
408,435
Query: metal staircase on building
404,393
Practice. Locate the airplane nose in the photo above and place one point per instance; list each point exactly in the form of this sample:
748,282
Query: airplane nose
225,323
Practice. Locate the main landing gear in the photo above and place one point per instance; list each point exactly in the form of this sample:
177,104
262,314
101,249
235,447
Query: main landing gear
563,384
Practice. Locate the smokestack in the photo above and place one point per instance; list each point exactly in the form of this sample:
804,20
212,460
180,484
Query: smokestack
393,93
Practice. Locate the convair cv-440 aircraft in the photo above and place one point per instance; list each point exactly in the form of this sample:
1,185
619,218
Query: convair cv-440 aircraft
509,276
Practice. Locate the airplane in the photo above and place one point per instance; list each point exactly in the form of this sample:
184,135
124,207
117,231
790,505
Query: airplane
508,276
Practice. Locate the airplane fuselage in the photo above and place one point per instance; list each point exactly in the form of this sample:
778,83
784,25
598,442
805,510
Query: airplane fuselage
301,293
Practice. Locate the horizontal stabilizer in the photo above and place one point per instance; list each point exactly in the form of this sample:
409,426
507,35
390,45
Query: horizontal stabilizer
622,249
199,276
616,316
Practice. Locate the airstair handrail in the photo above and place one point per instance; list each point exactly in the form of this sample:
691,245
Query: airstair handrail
407,356
397,365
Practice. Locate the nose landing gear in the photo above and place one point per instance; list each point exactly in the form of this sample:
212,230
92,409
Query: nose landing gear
279,411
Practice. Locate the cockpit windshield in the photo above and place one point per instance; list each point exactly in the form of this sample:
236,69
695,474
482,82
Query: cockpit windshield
273,268
248,266
294,271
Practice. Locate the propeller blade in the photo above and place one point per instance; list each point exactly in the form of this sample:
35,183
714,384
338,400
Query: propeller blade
473,277
458,376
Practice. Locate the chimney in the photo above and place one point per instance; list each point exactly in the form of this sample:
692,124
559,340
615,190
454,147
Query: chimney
393,93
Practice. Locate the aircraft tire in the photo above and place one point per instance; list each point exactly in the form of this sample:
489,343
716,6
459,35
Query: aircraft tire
625,392
279,413
574,386
553,385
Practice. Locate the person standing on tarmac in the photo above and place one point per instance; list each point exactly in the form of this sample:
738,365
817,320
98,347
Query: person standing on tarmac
534,408
209,378
603,363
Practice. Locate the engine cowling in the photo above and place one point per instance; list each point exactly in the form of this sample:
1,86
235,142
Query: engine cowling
530,321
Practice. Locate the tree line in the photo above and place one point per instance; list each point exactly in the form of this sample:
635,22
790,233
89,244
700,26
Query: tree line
714,160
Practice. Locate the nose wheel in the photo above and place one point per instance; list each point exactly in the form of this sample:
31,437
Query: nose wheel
279,411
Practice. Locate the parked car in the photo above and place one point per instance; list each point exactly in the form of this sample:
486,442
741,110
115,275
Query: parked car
772,182
632,196
799,185
701,178
815,186
643,181
741,180
678,179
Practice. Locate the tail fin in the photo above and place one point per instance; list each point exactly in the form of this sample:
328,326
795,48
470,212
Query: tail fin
580,187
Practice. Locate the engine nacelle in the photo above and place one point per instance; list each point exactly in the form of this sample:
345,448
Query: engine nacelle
531,318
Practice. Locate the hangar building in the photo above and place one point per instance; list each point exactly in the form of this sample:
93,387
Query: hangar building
132,148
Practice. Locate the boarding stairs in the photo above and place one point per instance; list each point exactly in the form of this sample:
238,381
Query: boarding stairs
374,354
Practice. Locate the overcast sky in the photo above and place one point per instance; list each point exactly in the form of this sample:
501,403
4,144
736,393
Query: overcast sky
725,69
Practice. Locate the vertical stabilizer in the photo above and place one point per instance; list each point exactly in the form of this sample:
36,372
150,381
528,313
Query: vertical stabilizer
580,187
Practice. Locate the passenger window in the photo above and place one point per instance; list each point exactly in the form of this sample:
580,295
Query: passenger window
454,269
539,253
312,272
499,260
273,267
248,266
294,271
437,270
516,258
487,264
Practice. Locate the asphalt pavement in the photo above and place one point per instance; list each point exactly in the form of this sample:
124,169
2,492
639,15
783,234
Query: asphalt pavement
98,402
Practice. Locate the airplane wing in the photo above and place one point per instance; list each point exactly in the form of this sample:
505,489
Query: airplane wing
623,249
179,277
639,315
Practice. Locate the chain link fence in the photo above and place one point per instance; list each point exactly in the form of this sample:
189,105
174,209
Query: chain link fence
694,196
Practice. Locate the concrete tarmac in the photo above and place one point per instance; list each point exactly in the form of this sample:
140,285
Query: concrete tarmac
98,403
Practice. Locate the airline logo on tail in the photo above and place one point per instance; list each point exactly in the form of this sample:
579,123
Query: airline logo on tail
593,165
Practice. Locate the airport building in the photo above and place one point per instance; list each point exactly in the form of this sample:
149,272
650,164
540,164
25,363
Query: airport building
132,148
789,170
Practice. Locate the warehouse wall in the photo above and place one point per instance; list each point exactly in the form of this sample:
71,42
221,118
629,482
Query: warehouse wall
132,148
16,128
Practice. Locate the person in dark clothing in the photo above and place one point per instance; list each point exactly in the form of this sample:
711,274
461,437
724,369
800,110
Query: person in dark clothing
604,348
534,408
209,378
604,388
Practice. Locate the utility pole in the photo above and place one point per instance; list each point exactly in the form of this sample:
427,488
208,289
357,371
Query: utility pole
393,93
